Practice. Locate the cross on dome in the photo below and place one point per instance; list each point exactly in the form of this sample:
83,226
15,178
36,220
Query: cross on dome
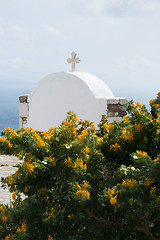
73,60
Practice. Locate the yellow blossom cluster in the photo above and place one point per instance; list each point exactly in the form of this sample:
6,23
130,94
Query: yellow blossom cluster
23,228
148,182
127,135
139,105
50,238
86,150
79,164
157,106
8,129
29,167
112,197
152,101
156,159
126,118
8,237
152,191
46,135
51,213
40,142
158,131
129,183
82,136
3,216
83,194
115,147
142,153
14,195
99,139
9,180
107,127
68,162
70,216
52,160
82,191
138,126
26,189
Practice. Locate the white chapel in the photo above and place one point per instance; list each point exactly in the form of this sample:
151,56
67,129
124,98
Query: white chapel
56,94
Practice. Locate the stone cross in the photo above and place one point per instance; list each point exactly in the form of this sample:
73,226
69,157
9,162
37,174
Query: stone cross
73,60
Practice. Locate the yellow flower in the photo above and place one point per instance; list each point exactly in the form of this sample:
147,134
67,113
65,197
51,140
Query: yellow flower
68,161
137,111
70,216
26,189
85,185
3,217
158,131
86,150
79,164
152,191
156,159
83,194
129,183
9,180
138,126
76,184
8,129
127,135
141,153
52,160
138,104
152,101
23,228
82,136
156,106
115,146
113,200
1,207
8,143
126,118
8,237
29,167
14,195
148,182
50,238
52,213
111,192
69,112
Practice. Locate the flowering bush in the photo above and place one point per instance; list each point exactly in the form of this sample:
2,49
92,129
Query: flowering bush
78,182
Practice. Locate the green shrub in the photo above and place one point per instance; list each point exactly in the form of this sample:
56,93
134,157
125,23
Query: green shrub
77,182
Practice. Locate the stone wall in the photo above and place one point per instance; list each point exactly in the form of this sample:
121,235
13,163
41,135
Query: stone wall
116,109
23,110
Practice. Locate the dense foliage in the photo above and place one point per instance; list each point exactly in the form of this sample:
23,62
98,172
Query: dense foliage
80,183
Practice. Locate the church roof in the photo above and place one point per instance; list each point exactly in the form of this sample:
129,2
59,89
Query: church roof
96,86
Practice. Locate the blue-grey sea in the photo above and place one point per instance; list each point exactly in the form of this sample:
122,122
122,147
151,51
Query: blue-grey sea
9,108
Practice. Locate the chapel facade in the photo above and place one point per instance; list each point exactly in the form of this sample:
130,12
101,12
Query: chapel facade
56,94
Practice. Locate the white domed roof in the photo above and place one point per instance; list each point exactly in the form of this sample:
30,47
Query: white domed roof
95,84
83,93
98,88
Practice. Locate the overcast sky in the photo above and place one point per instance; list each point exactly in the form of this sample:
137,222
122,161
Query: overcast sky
117,40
